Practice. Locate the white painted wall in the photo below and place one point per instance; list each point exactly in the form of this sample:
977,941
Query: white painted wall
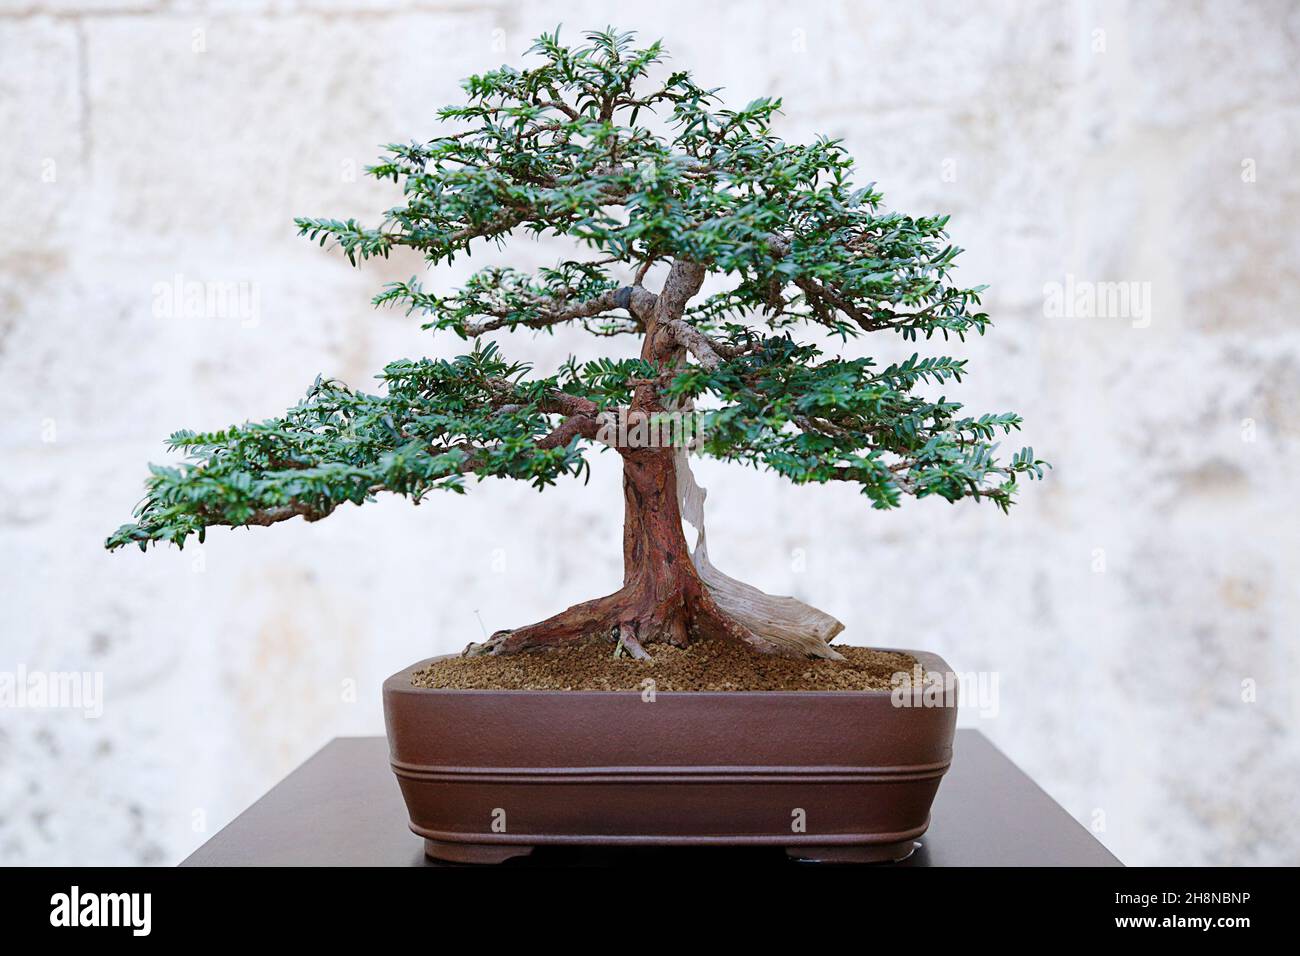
1122,605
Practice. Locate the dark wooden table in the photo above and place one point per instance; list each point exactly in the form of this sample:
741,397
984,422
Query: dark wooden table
342,808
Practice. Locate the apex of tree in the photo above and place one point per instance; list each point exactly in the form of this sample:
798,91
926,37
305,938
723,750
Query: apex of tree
655,182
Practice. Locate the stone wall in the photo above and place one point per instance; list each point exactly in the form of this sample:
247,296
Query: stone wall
1138,609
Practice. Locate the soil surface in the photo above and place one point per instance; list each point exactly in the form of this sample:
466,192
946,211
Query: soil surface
703,666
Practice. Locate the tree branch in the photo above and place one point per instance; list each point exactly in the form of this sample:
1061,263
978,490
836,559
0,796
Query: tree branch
585,426
554,310
684,280
707,351
505,395
269,516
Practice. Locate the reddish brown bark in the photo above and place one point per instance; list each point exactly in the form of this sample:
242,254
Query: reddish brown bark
662,599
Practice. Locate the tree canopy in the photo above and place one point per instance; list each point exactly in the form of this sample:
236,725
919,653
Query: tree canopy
641,174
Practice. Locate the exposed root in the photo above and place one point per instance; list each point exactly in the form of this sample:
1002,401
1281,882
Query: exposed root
627,640
635,626
591,618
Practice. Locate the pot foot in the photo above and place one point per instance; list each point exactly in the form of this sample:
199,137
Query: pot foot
862,853
473,852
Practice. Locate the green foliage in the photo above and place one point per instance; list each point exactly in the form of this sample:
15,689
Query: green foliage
584,144
437,422
784,408
558,150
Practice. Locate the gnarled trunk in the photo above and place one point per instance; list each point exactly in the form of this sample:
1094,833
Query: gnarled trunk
663,598
660,584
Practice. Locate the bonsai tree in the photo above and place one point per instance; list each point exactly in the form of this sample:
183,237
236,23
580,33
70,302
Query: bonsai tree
657,185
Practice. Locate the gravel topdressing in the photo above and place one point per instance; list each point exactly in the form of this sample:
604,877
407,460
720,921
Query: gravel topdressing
703,666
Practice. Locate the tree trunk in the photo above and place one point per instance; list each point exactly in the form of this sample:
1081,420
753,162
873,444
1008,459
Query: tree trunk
663,599
669,595
660,584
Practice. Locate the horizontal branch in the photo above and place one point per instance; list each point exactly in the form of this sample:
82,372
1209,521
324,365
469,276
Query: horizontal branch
708,351
269,516
552,310
506,394
584,426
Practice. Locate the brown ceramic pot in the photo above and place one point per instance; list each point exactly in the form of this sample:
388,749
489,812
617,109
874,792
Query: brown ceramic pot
829,775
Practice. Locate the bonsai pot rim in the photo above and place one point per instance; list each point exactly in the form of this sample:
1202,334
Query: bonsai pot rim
699,768
401,683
